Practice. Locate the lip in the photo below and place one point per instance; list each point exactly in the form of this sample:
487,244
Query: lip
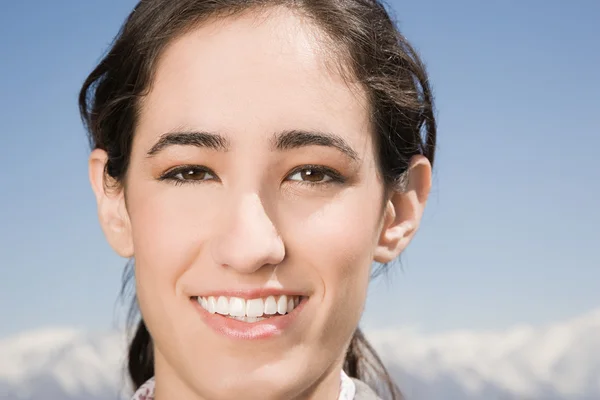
235,329
251,293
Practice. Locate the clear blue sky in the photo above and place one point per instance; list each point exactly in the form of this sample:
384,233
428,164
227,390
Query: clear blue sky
512,229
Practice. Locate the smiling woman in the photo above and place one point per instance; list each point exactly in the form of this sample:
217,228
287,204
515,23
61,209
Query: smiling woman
254,158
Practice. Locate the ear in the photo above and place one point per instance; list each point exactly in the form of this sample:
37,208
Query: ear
403,211
112,210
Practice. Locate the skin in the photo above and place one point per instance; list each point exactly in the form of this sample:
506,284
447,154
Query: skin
253,221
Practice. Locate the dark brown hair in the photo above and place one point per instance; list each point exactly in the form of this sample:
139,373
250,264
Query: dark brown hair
370,49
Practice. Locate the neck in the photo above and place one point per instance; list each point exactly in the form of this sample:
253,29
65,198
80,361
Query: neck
168,384
327,387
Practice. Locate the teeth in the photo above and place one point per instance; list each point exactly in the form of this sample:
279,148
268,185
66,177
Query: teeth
248,319
212,305
282,304
237,307
255,307
223,305
252,310
270,306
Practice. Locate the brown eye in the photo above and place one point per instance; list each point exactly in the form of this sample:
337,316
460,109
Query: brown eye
310,175
189,174
193,175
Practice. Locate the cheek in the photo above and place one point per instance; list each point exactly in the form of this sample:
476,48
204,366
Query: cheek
344,231
169,225
339,240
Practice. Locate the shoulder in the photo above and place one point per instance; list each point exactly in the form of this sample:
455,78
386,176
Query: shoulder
364,391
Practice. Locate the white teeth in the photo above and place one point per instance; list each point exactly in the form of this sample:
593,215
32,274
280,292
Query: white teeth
237,307
270,306
252,310
248,319
255,307
223,305
282,304
212,305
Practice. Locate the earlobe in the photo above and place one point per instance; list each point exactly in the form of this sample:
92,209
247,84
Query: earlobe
403,212
112,211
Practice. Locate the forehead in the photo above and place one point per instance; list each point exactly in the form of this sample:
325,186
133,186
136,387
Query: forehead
253,74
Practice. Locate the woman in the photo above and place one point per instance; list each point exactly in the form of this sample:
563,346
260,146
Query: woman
255,157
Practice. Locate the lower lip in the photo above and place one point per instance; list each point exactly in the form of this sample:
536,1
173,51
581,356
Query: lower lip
236,329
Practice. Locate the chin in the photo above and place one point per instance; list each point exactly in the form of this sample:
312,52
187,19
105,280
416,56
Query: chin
254,386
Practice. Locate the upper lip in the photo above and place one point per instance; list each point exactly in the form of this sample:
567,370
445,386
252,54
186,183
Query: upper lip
251,293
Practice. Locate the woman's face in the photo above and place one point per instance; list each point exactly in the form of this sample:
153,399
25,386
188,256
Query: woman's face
252,175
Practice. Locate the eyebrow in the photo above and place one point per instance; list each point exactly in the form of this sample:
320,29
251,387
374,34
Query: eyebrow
200,139
285,140
294,139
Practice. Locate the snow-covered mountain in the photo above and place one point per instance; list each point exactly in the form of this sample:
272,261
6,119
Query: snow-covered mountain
62,364
561,361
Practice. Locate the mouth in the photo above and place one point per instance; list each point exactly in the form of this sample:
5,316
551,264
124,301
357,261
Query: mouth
249,310
256,318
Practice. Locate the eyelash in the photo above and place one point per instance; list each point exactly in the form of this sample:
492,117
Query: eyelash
334,176
171,175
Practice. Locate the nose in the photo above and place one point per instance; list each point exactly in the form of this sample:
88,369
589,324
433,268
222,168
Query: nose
249,239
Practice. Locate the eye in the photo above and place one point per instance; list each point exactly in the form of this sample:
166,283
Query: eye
314,174
193,175
188,174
